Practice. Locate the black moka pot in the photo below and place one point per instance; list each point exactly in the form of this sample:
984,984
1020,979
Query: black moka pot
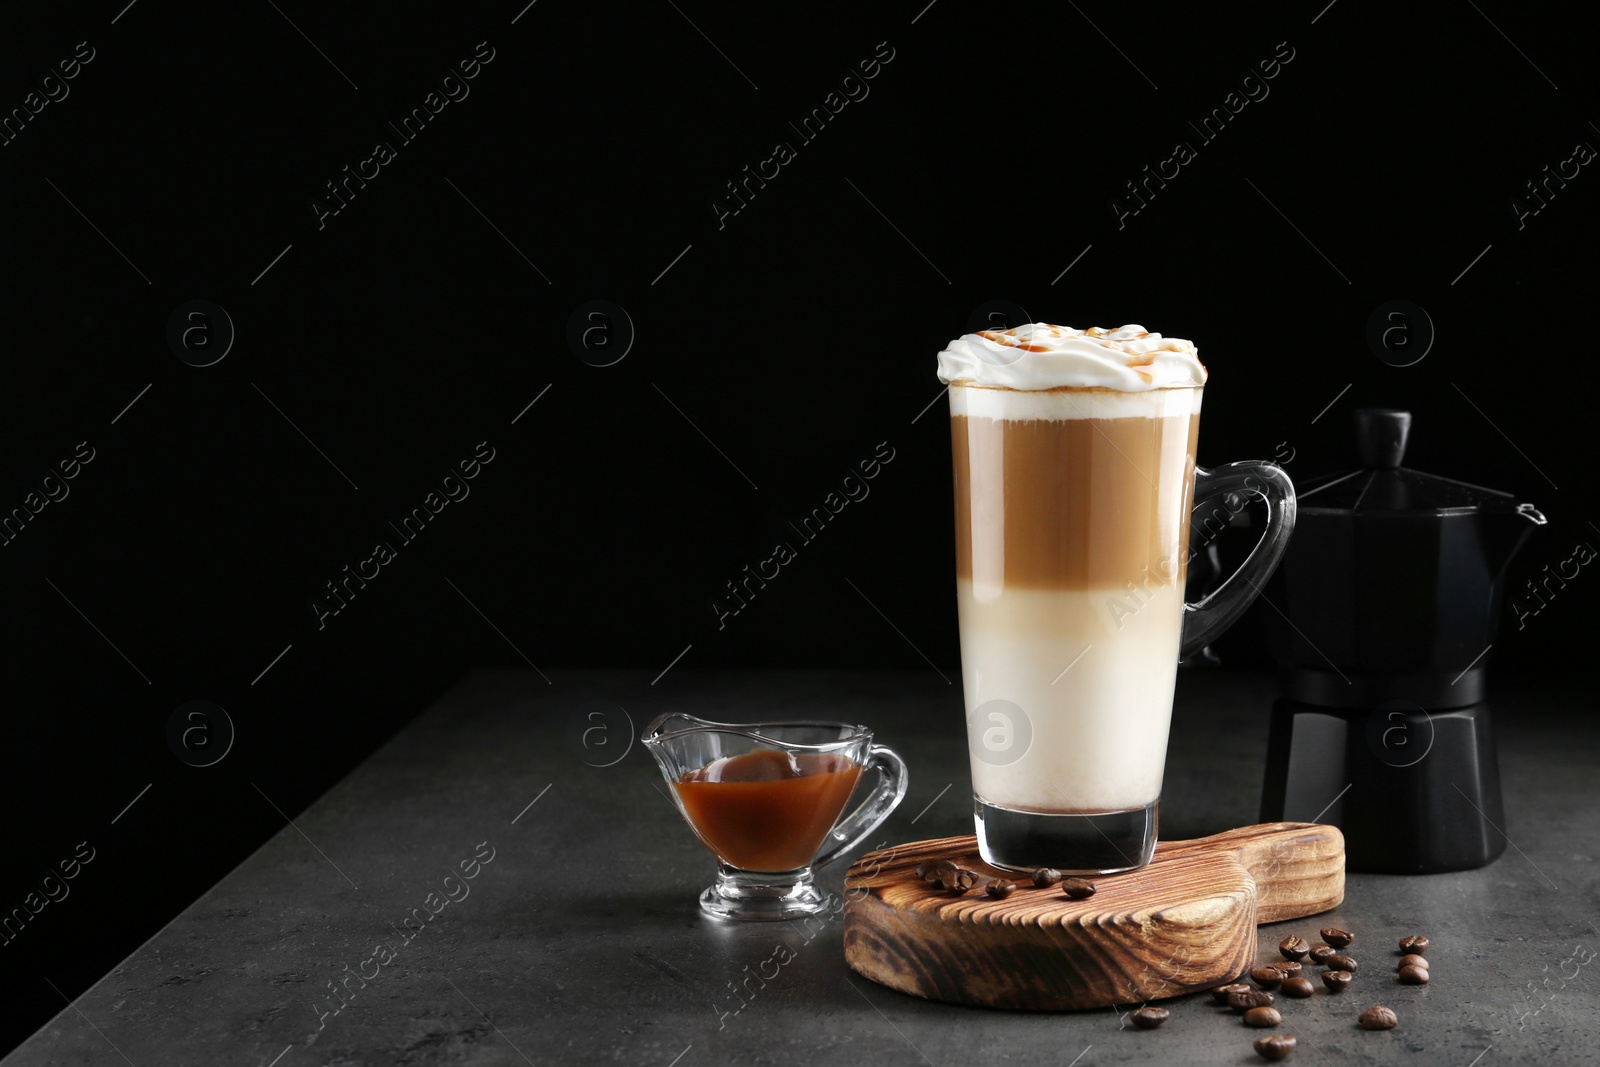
1388,602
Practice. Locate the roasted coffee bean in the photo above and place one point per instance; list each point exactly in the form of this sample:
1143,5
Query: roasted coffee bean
1251,998
1077,888
1045,877
1414,975
1297,987
1149,1018
1294,948
999,889
1322,952
922,870
946,865
1415,943
1266,977
1288,968
1412,960
1262,1017
1220,993
1338,962
1337,981
1336,937
959,880
956,879
1275,1046
1379,1018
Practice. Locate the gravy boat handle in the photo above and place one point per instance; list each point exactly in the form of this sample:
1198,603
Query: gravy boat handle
870,813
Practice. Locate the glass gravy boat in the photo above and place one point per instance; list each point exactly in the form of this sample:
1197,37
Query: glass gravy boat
765,799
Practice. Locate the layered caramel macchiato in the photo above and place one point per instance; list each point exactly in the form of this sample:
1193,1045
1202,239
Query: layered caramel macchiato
1074,472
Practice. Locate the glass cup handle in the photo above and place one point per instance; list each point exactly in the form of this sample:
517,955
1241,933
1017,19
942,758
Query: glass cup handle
885,797
1204,621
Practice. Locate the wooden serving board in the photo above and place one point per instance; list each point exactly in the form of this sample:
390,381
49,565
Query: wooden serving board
1185,922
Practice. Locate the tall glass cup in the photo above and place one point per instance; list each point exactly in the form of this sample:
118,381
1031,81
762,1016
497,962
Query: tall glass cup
1072,544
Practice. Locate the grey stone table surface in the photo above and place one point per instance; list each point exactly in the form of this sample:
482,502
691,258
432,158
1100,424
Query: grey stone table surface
576,938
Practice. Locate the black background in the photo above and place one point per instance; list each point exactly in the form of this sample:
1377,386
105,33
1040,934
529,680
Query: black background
792,339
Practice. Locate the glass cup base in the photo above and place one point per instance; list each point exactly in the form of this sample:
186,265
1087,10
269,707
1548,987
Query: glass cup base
762,897
1110,842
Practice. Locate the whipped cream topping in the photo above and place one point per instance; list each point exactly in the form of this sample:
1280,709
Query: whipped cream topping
1041,356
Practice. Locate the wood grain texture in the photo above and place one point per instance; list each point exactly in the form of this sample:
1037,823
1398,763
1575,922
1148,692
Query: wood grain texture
1183,923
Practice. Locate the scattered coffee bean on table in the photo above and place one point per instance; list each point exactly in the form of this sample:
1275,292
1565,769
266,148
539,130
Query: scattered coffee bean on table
1149,1018
1262,1017
999,889
1415,943
1221,993
1337,981
1414,975
1339,962
1411,960
1293,948
1288,968
1322,952
1274,1046
1379,1018
1336,937
1077,888
1045,877
1251,998
1266,977
1298,987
